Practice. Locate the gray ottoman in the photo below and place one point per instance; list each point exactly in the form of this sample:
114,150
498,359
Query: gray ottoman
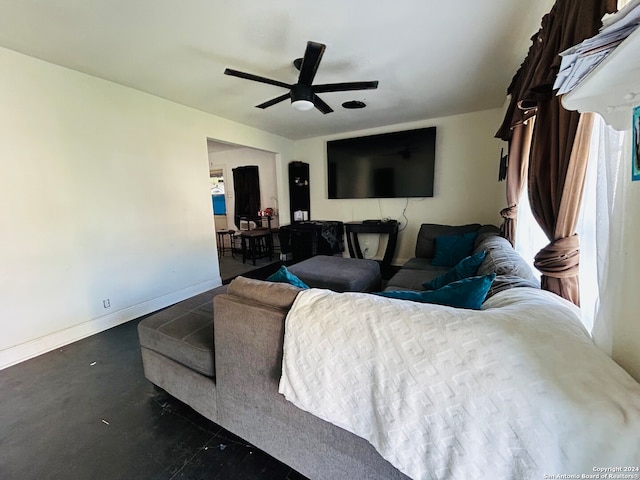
339,274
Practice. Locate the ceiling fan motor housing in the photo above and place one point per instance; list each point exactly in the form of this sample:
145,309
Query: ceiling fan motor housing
301,92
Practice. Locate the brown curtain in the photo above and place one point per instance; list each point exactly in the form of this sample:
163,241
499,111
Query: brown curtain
555,193
557,164
516,177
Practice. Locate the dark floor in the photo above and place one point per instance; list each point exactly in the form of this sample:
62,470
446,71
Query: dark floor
232,266
85,411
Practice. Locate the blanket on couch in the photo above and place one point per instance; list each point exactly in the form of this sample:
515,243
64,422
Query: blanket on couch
516,390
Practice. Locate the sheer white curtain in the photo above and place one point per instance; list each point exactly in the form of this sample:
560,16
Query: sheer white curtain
530,238
597,220
601,227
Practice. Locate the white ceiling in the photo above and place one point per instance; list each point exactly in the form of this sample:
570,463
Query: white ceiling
433,58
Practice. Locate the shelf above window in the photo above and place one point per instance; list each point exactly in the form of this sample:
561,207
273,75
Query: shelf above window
612,89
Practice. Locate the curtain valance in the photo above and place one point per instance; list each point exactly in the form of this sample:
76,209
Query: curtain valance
568,23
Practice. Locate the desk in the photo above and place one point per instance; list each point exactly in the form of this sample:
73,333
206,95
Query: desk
389,228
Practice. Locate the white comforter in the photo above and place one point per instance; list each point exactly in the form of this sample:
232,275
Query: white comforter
515,391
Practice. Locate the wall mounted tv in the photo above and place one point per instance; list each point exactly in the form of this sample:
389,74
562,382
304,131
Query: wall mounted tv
389,165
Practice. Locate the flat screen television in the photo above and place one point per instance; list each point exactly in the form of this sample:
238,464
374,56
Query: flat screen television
388,165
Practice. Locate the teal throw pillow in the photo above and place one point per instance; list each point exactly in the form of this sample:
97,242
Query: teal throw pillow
465,293
285,276
451,249
467,267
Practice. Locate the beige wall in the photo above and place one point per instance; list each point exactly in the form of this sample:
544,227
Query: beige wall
466,185
104,194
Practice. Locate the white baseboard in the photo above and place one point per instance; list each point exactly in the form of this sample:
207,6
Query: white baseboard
38,346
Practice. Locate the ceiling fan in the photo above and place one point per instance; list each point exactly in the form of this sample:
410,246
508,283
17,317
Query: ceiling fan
303,93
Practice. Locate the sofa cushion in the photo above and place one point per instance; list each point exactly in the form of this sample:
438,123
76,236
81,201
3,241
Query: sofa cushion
502,259
417,263
465,293
426,242
413,279
452,249
467,267
285,276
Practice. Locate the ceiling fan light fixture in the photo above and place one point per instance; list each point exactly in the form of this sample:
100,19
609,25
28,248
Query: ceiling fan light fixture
302,105
302,97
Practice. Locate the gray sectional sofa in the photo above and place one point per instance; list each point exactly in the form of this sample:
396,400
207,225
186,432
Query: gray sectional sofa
228,367
510,269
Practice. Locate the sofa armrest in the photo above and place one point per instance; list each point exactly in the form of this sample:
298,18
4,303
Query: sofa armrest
270,294
248,338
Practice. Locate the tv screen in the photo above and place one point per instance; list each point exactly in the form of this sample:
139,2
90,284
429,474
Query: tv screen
389,165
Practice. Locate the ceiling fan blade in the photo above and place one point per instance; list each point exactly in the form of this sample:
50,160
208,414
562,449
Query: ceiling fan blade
344,87
311,62
321,105
279,99
255,78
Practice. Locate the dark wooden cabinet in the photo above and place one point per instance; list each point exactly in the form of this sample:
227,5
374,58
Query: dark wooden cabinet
299,196
303,240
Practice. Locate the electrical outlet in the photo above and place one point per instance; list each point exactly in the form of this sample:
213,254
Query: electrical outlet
106,303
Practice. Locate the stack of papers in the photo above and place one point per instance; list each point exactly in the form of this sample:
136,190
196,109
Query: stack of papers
581,59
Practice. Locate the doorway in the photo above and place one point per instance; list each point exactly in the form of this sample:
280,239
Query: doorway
223,159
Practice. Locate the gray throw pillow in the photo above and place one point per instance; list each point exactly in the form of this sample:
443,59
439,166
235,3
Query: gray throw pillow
502,259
